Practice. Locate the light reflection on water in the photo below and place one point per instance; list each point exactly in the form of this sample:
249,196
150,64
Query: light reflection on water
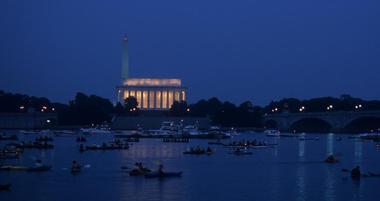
330,144
292,171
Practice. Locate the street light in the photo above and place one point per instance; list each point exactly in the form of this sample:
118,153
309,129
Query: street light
302,109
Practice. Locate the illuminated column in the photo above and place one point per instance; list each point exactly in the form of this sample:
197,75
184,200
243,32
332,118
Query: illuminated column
170,99
145,99
138,98
132,93
124,60
151,99
164,99
158,99
183,93
126,94
176,96
119,96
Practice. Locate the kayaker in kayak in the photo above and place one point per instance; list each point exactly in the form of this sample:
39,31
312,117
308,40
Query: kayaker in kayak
161,170
140,167
355,173
81,148
38,163
331,159
75,167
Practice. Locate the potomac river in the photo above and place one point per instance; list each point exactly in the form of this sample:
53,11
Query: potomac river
292,170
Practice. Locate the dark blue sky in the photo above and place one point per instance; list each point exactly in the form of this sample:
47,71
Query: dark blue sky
258,50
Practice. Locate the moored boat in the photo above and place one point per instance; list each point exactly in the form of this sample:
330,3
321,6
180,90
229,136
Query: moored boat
272,133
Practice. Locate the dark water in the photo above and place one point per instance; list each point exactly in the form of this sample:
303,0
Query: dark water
292,171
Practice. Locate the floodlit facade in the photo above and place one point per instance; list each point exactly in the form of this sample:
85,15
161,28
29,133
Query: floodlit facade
150,93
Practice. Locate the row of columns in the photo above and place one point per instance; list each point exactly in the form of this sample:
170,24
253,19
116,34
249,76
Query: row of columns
155,99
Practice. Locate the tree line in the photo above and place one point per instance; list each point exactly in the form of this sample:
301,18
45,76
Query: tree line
92,109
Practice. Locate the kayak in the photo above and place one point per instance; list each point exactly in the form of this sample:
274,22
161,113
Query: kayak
25,169
7,137
197,152
5,187
75,170
165,175
135,172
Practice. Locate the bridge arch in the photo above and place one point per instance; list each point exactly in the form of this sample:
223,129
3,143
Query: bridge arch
311,124
363,124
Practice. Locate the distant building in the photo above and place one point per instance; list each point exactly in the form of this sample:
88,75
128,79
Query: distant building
150,93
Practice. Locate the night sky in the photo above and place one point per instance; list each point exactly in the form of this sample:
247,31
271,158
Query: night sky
258,50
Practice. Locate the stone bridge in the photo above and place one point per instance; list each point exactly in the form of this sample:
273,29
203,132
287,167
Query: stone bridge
337,121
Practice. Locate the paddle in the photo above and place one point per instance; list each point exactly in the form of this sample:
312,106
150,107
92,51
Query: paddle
369,174
85,166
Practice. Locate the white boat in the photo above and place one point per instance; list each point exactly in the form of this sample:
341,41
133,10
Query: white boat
190,130
272,133
232,132
167,128
370,136
95,130
217,132
64,133
29,132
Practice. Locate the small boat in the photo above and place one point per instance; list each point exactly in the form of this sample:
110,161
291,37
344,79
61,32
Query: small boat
201,152
165,175
272,133
64,133
9,155
370,136
132,139
175,139
168,128
44,139
190,130
305,139
43,168
5,187
101,130
8,137
75,170
26,132
135,172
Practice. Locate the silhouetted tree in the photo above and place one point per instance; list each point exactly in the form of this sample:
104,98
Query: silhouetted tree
179,108
130,105
119,109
